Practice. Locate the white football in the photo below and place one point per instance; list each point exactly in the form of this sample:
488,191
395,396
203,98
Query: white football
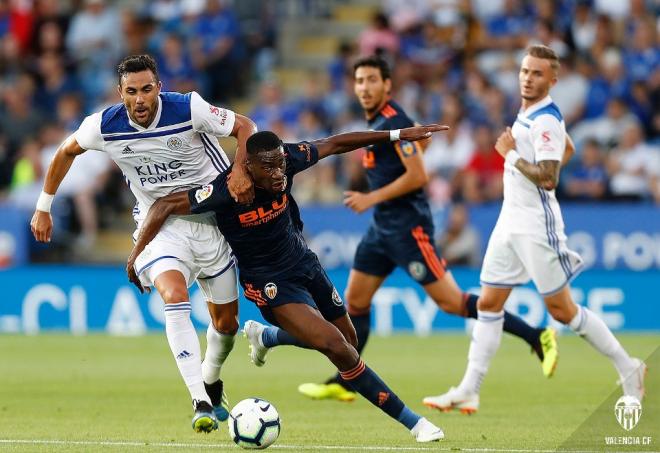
254,423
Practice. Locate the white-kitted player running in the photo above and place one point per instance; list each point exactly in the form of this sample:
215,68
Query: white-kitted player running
166,142
528,241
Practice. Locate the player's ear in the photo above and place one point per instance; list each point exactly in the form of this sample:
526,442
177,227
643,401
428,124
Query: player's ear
120,93
159,85
388,85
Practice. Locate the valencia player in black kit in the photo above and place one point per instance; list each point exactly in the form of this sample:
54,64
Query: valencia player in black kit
277,271
402,232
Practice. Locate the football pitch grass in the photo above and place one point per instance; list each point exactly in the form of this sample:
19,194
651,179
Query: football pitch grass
60,393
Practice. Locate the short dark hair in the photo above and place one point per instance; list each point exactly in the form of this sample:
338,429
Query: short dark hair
545,53
262,141
137,63
374,61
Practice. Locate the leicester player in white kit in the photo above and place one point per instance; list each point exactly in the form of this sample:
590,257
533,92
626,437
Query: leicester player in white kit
528,241
163,142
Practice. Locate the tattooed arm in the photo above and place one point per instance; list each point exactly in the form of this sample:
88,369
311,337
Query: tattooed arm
544,174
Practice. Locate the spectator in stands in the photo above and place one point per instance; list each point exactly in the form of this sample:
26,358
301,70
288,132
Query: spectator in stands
340,65
582,33
55,82
219,51
18,118
95,42
570,92
175,66
378,36
271,107
642,56
607,130
482,176
588,180
459,242
448,152
633,166
50,27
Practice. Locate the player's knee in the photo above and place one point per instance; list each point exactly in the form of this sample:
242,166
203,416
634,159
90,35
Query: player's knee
227,325
338,350
356,302
560,314
174,295
488,304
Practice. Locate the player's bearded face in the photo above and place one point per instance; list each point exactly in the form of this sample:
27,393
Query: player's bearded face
268,170
139,91
536,76
370,88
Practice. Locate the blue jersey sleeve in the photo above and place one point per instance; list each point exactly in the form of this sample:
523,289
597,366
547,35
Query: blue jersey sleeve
211,197
300,156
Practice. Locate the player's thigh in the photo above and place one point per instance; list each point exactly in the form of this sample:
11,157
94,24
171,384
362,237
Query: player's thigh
502,268
360,290
308,326
323,292
548,261
371,265
172,285
269,292
561,306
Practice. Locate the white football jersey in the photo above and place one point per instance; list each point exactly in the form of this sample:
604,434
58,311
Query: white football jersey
540,134
177,151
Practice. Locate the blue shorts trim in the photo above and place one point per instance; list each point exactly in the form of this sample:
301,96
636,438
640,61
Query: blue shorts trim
499,285
231,264
151,263
574,273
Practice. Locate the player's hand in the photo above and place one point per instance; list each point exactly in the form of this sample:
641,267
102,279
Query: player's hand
240,185
415,133
132,274
41,226
358,201
505,142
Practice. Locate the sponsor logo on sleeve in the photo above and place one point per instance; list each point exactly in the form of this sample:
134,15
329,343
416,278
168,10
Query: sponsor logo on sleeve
203,193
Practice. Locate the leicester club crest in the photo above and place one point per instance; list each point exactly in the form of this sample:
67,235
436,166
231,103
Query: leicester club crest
174,143
271,290
628,411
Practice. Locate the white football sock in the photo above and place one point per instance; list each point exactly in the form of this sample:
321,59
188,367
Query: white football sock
184,344
486,338
218,347
593,329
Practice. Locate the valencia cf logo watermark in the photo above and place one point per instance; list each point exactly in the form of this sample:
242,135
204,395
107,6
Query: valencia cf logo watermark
336,299
174,143
417,270
271,290
203,193
628,411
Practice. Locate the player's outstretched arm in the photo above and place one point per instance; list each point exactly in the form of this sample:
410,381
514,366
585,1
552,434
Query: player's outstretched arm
240,185
343,143
544,174
42,222
173,204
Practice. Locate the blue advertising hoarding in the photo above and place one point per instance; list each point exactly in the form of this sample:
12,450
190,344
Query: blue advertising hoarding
608,236
84,299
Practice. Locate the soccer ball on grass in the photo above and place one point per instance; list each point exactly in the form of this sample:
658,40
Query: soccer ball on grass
254,423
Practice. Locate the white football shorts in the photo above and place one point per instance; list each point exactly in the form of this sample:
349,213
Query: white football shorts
198,250
513,259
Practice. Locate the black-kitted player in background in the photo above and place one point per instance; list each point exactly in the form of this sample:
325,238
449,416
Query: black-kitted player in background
401,232
277,270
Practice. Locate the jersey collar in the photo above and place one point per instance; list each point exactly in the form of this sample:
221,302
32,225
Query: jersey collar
153,124
538,106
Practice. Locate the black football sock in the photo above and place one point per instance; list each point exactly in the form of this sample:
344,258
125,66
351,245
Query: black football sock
367,383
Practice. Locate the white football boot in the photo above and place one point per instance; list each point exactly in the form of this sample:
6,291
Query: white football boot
253,330
454,399
425,431
633,384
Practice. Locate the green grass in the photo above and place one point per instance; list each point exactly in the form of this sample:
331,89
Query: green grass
99,388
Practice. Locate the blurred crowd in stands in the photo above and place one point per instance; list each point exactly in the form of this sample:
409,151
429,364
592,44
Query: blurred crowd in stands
454,62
